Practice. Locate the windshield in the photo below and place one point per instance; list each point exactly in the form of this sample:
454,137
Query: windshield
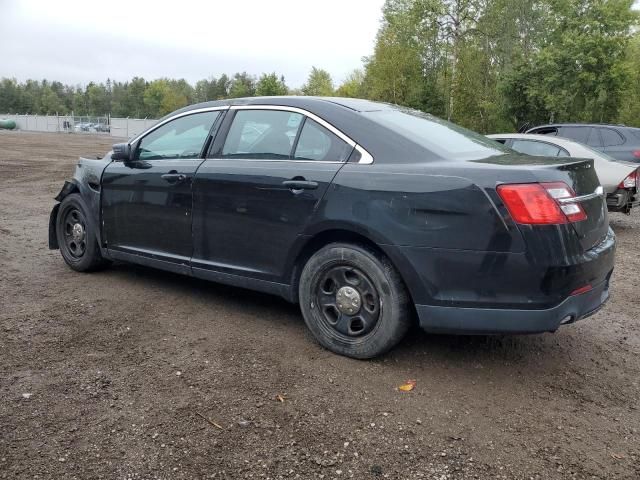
443,138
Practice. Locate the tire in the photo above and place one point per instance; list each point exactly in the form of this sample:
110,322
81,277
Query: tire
78,245
339,322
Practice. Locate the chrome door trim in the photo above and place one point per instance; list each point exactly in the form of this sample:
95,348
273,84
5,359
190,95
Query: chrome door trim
365,157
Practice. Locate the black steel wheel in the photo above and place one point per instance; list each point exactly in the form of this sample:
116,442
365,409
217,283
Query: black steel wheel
75,232
348,301
76,236
354,301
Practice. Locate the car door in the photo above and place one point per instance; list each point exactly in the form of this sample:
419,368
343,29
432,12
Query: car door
614,144
147,202
259,189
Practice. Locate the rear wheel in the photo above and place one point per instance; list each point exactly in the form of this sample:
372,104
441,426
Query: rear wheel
76,236
354,301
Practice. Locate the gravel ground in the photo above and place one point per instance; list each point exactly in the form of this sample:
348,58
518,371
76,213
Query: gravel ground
136,373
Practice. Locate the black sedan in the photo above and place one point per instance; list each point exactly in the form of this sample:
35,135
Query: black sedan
366,214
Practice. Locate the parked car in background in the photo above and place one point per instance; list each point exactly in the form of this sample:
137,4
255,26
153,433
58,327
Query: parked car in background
617,141
620,180
361,212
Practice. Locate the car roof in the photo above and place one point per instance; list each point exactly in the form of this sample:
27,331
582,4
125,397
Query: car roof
354,104
579,125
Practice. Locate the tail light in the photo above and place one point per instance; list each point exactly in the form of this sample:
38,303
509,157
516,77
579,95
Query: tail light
636,153
632,180
541,203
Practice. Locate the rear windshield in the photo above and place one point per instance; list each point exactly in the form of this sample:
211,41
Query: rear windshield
443,138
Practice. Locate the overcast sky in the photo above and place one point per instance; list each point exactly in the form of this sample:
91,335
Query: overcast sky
79,41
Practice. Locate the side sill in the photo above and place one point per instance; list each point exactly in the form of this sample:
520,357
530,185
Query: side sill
273,288
180,268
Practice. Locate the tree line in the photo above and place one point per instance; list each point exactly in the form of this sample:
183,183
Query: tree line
490,65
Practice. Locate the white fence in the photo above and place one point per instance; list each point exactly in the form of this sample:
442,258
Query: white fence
116,127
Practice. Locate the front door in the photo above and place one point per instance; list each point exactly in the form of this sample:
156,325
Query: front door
147,202
259,192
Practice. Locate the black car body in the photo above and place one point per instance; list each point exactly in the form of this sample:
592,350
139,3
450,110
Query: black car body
360,211
617,141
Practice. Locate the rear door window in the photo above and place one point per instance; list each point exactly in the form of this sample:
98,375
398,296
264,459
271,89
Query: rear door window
594,138
535,148
318,143
579,134
262,134
611,138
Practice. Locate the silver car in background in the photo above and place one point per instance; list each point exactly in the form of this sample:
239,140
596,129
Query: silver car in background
620,180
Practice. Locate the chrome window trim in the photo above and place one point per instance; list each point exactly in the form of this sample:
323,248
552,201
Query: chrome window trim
174,117
365,157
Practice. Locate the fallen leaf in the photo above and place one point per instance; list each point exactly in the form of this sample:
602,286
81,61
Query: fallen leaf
407,386
617,456
280,398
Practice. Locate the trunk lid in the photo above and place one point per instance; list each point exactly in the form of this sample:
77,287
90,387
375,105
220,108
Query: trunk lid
581,176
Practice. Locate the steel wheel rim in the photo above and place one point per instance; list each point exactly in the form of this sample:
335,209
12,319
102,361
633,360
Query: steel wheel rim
347,316
74,232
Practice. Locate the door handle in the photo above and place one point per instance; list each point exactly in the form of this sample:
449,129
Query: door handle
300,184
174,177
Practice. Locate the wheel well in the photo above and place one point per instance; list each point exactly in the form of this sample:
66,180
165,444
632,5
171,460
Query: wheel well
325,238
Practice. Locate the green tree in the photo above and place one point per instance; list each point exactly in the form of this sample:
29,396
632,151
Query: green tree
270,85
319,83
242,85
630,110
353,85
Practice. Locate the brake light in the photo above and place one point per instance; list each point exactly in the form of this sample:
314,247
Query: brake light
636,153
631,181
541,203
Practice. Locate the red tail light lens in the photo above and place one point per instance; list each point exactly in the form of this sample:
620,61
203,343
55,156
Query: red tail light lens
636,153
538,203
631,181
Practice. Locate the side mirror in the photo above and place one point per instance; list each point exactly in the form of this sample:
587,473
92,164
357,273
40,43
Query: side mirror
121,151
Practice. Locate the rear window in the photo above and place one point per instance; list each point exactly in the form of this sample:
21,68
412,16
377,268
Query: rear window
443,138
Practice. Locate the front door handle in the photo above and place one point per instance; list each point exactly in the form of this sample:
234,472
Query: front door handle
174,177
300,184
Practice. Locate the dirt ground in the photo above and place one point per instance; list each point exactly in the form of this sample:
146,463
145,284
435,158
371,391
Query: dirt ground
132,373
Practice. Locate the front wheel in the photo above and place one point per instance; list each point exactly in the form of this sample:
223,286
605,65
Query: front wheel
354,301
76,237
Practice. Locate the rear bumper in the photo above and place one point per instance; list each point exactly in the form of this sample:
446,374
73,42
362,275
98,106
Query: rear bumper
437,319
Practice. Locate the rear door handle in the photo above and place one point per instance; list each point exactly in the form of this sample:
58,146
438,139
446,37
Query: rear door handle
300,184
174,177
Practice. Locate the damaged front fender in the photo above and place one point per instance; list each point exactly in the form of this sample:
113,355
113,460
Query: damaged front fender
68,188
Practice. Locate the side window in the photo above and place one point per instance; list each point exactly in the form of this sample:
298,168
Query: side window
545,131
183,137
579,134
562,152
538,149
262,134
594,138
318,143
610,137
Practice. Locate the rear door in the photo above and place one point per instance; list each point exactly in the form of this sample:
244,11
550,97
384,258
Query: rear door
614,144
262,184
147,202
